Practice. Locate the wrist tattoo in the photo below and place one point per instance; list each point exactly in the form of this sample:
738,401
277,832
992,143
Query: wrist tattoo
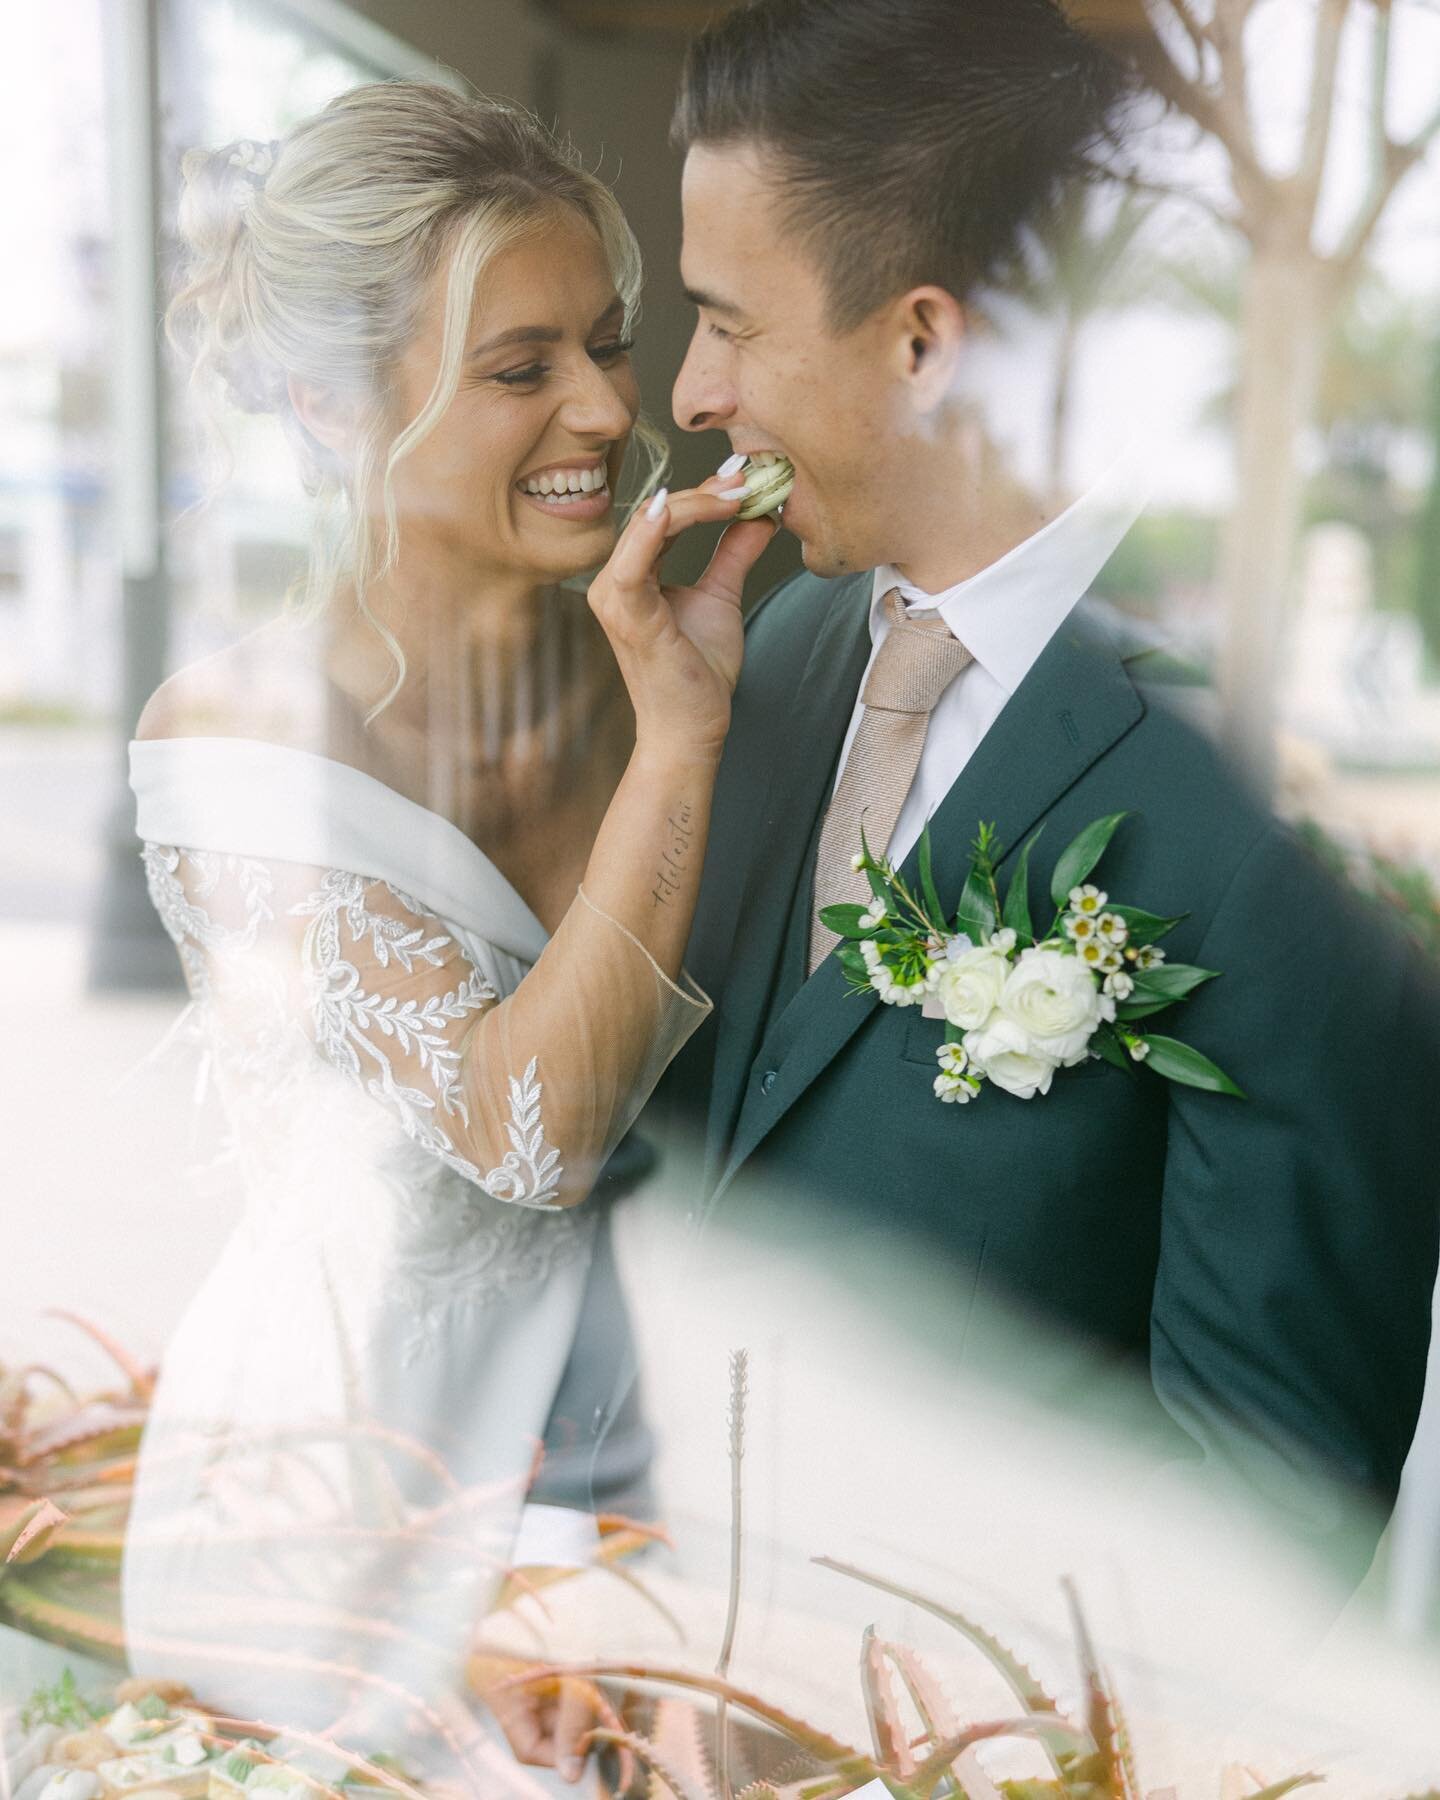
674,858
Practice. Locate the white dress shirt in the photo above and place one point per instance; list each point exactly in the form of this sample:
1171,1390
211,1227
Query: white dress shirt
1005,616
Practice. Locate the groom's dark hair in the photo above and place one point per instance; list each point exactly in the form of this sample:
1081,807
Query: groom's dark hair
916,139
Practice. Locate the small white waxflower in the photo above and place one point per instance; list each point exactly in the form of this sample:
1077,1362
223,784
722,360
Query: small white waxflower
1111,962
1149,956
870,950
1003,940
1119,985
857,861
952,1059
1112,928
1092,953
955,1090
1087,900
875,916
1079,928
1139,1049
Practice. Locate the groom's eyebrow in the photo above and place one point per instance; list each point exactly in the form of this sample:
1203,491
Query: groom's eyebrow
713,303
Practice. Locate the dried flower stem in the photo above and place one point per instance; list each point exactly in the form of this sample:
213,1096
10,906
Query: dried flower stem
739,1369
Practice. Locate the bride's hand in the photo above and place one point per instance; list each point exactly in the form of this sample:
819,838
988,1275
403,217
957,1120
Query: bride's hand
679,649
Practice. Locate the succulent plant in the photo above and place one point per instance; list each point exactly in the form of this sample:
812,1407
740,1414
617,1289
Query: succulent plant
67,1467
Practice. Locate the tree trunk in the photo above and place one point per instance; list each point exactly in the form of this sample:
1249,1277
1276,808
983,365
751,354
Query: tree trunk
1283,314
1427,574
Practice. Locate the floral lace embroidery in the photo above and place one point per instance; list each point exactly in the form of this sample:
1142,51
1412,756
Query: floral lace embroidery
352,1025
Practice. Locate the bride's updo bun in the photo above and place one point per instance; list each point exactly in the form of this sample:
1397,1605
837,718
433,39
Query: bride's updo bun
209,320
310,258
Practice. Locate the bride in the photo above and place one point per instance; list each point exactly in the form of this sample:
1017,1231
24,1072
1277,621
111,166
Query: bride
428,847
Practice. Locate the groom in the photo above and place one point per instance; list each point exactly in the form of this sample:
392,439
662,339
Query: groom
857,173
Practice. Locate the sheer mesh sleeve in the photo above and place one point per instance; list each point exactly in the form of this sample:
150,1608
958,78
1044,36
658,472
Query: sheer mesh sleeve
524,1095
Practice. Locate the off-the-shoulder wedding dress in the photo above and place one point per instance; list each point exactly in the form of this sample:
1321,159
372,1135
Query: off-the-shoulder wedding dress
347,1417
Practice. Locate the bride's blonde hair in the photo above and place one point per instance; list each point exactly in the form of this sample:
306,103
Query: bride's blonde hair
310,257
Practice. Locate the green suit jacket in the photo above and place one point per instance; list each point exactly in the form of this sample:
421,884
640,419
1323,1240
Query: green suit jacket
1270,1261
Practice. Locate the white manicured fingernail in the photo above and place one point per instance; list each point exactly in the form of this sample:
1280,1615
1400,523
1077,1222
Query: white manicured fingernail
657,505
733,493
732,465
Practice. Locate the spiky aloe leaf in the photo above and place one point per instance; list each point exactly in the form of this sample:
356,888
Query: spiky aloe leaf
882,1708
141,1379
642,1750
1021,1682
1099,1707
32,1609
28,1537
87,1549
1124,1752
937,1764
1278,1789
101,1428
620,1528
826,1749
926,1694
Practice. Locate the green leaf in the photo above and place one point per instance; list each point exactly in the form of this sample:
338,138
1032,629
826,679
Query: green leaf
844,920
1129,1010
1081,856
1170,981
1145,927
1178,1062
878,885
1017,898
976,915
927,881
1110,1047
853,963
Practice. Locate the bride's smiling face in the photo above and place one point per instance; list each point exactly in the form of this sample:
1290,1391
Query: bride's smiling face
545,405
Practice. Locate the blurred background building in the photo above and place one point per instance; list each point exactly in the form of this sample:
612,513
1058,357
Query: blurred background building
1265,292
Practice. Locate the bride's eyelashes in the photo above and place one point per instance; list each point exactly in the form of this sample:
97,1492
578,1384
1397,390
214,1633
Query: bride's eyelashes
532,373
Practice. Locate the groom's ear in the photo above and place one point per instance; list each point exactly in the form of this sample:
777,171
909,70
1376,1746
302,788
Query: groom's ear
930,330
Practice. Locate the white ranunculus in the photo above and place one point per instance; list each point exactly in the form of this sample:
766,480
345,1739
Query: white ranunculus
1004,1052
1054,1000
970,987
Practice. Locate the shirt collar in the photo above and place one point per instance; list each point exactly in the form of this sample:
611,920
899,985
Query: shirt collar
1007,613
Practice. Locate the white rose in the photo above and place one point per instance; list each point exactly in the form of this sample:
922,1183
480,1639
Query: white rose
971,985
1055,1002
1004,1053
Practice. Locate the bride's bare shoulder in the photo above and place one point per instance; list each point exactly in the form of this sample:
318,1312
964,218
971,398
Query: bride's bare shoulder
268,686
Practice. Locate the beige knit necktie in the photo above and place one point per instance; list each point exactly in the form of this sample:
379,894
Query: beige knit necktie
915,664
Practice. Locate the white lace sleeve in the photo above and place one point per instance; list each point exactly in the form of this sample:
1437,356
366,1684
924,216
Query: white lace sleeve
380,988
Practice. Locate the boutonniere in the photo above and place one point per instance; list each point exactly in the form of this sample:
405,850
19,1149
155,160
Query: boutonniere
1018,1005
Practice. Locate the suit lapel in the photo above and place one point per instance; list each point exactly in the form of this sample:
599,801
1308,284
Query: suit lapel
1075,703
770,810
